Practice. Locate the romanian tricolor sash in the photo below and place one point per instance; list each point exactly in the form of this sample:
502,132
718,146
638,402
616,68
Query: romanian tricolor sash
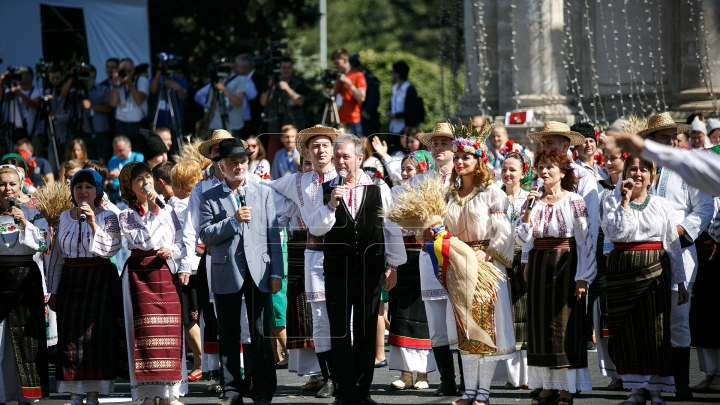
439,252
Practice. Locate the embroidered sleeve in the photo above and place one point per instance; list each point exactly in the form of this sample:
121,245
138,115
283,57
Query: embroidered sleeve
177,249
106,242
501,242
587,265
34,235
671,244
524,230
702,210
617,223
140,232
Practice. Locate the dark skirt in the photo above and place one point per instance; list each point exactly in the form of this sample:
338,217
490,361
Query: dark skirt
157,317
518,298
22,307
408,320
86,312
638,317
705,297
299,327
556,319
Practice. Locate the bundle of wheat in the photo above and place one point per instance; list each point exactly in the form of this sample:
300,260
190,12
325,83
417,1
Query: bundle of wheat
190,151
53,200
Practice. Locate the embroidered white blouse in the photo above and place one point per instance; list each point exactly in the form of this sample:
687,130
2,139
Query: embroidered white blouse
74,239
155,231
19,240
568,218
653,223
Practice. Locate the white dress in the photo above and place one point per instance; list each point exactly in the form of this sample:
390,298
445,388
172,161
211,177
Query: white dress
152,232
75,240
30,240
568,218
654,223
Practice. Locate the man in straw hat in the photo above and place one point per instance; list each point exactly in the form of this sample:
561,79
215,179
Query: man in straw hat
238,221
191,229
366,248
297,195
692,211
441,321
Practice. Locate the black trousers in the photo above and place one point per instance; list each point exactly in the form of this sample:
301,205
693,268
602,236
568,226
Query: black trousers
357,288
262,372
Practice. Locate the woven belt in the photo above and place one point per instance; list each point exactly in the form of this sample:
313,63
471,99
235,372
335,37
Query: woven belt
86,261
15,260
137,253
554,243
637,246
315,243
479,243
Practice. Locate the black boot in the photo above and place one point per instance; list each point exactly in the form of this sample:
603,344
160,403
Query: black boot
446,368
247,367
461,387
328,390
681,372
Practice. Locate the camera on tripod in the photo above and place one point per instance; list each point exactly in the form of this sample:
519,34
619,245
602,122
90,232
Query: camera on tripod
329,77
14,76
80,72
43,68
168,63
218,69
272,58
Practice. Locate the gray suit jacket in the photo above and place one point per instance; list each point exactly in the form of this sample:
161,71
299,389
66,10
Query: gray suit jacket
257,242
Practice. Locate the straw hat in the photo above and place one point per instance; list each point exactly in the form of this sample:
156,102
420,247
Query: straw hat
217,136
443,129
661,121
305,135
558,128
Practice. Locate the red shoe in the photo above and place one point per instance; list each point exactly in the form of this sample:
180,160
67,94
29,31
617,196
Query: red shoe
195,377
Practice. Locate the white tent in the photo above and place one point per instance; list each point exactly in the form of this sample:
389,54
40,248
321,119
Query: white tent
114,28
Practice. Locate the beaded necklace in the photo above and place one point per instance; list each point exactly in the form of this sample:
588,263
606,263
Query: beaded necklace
462,201
640,207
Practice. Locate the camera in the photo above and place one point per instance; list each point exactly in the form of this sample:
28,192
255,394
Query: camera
42,68
329,77
122,73
15,74
217,69
168,63
81,72
272,59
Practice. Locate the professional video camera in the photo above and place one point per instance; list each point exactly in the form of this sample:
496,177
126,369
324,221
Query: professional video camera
43,68
217,70
329,77
272,59
14,76
168,63
80,72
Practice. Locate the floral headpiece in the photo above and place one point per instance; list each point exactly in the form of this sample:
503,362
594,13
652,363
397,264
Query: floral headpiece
424,160
471,140
261,172
511,147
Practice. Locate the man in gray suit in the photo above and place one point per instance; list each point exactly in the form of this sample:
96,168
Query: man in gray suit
238,222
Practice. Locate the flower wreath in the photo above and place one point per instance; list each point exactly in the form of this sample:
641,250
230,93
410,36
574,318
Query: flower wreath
511,147
472,140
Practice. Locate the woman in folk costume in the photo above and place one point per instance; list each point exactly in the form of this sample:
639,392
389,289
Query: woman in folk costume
645,261
476,215
561,265
23,347
409,338
85,292
516,175
151,284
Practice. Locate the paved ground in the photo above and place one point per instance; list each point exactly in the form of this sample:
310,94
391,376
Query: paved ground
289,391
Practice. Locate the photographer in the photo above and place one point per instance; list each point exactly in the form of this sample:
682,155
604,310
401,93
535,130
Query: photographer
97,108
350,91
129,94
232,93
245,67
57,95
23,101
178,85
283,104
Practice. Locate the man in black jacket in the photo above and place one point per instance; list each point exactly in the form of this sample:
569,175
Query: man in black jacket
405,107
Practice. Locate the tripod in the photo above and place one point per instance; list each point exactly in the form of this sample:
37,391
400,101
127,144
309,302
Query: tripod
78,114
45,116
6,120
168,98
331,111
277,103
217,100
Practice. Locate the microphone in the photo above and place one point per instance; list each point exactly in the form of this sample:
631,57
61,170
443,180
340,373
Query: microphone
625,188
241,195
158,201
540,189
341,177
11,203
83,217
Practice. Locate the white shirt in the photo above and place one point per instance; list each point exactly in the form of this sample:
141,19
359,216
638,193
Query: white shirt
18,110
701,170
397,105
154,231
28,240
127,110
74,239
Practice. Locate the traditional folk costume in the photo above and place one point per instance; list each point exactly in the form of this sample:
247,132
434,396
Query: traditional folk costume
409,336
693,211
563,252
645,262
152,301
87,288
300,195
23,345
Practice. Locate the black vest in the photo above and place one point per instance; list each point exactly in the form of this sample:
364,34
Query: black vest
357,243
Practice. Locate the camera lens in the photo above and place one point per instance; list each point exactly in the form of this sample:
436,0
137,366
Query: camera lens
123,73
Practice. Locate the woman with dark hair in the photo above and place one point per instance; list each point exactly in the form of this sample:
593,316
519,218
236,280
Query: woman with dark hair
75,150
258,158
476,215
84,286
151,282
561,265
645,262
23,347
102,170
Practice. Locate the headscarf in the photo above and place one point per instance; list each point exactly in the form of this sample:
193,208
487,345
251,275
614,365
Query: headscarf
99,185
16,156
20,174
126,190
424,160
526,160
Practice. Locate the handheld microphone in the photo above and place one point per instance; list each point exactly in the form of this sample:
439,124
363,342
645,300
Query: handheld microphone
625,189
540,189
83,217
241,195
341,177
158,201
11,203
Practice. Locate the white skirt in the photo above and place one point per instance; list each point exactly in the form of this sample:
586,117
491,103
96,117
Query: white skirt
709,360
411,360
303,361
571,380
648,382
314,276
513,370
142,390
84,386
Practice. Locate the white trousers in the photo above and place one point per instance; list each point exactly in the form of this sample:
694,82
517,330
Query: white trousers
679,322
709,360
441,322
321,326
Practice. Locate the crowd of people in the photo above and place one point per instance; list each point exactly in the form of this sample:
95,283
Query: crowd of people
594,240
